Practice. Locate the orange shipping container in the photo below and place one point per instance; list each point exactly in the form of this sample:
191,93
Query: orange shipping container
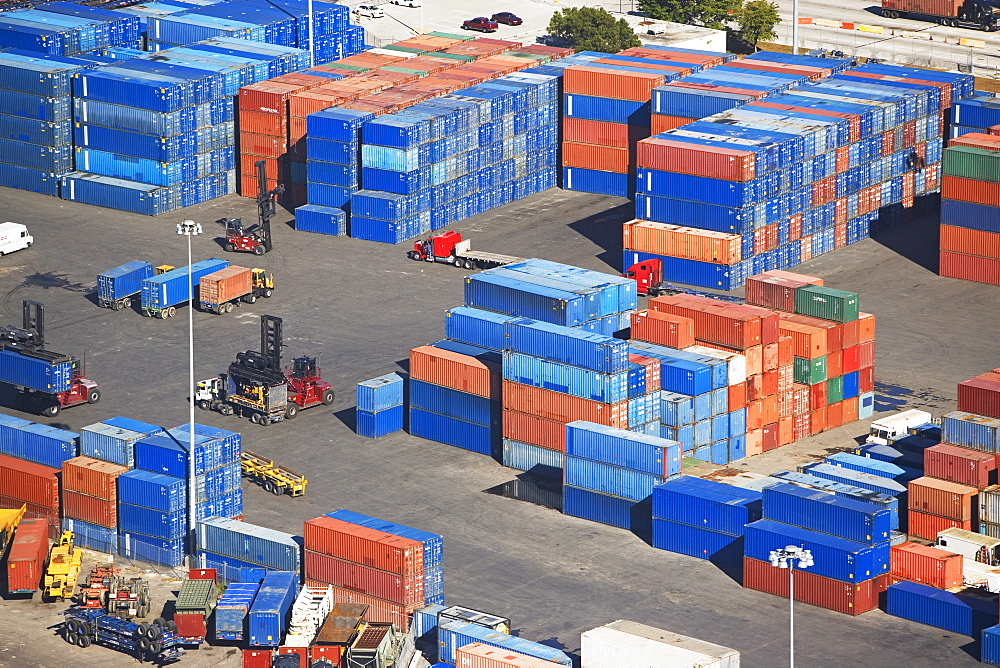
927,565
263,123
786,431
618,135
101,512
266,146
562,407
970,190
592,156
755,442
770,357
835,364
849,334
362,545
850,410
713,322
710,161
835,415
534,430
737,396
29,482
225,285
459,372
866,327
661,123
478,655
272,166
92,477
665,329
970,267
677,241
942,498
925,525
807,341
613,83
268,97
834,331
817,420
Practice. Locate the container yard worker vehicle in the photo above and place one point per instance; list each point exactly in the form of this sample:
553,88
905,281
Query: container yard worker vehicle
648,276
957,13
256,385
450,248
274,478
63,570
883,430
255,239
46,381
218,292
14,237
155,642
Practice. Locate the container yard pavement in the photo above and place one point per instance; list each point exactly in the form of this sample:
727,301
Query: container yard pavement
361,306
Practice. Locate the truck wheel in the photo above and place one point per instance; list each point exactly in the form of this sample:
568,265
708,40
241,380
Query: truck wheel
226,409
153,632
228,248
268,292
83,641
155,647
143,644
93,396
264,420
250,299
171,626
51,410
71,637
291,410
328,396
469,264
73,625
204,404
142,630
258,249
161,622
171,311
268,486
254,417
127,303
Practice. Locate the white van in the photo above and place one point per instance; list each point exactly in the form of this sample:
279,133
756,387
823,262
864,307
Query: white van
14,237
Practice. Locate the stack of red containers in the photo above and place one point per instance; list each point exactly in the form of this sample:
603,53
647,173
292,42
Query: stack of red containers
28,553
927,565
936,504
24,483
364,565
90,491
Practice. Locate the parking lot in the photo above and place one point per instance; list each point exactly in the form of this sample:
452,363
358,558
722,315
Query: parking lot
360,307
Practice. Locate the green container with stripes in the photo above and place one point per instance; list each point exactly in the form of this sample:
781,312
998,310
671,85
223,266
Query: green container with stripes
448,35
348,69
406,49
972,163
827,303
453,56
405,70
811,371
834,390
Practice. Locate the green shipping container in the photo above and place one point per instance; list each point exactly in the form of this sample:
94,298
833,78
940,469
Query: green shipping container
448,35
453,56
811,372
406,49
350,69
972,163
834,390
827,303
198,596
405,70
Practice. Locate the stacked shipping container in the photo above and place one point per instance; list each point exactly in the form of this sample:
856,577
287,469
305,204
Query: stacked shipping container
798,174
230,545
970,459
25,483
970,208
90,502
976,113
380,406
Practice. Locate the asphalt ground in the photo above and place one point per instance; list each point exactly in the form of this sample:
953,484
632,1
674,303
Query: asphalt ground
360,306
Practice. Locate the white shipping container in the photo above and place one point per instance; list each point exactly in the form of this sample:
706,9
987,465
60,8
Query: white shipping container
989,505
736,363
625,643
972,546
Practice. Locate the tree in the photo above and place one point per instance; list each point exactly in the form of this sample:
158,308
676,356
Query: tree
592,29
756,20
708,13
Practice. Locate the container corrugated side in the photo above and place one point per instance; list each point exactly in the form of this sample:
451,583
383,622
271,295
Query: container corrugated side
942,498
380,393
406,590
606,508
850,598
972,431
558,406
18,369
823,511
267,619
927,565
109,443
149,522
26,558
363,545
579,382
232,609
609,445
942,609
707,504
609,479
454,403
604,354
249,542
46,445
695,541
452,635
454,370
30,482
152,490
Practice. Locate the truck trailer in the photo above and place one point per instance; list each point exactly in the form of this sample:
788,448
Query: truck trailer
219,291
162,294
116,287
956,13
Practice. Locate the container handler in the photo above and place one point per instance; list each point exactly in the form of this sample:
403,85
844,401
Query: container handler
63,570
255,239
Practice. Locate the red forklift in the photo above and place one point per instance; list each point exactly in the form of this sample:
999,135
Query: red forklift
255,239
29,341
648,276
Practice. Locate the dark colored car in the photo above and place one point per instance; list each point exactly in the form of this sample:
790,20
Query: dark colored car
507,17
481,23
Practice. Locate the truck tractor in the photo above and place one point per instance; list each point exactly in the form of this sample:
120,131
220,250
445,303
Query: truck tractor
220,291
156,642
450,248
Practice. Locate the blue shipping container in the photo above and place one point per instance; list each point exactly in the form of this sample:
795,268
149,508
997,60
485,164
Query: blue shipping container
232,609
609,445
452,635
696,541
121,282
169,289
454,403
380,393
152,490
109,443
934,607
45,445
452,431
823,511
709,505
379,423
268,617
253,544
34,373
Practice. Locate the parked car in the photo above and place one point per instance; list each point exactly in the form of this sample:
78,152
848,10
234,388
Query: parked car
480,23
508,18
371,11
406,3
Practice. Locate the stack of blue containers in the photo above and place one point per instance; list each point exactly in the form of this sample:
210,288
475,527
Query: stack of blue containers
332,149
268,616
862,479
875,466
229,545
67,29
233,607
380,406
153,513
703,518
967,615
977,113
847,491
36,119
114,439
432,542
848,539
610,473
695,403
39,443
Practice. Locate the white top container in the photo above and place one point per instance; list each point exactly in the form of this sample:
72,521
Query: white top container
625,643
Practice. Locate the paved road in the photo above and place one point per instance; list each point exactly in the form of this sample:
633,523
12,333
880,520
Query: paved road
361,306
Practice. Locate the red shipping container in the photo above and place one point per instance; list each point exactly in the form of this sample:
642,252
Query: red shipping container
770,437
927,565
710,161
850,359
786,431
534,430
769,409
263,124
737,396
961,465
562,407
808,342
331,653
362,545
786,404
817,420
263,145
612,83
364,579
618,135
30,482
26,559
685,57
834,364
755,415
866,354
846,597
980,396
479,655
818,396
459,372
92,477
592,156
268,97
90,509
191,625
755,387
274,168
786,350
379,610
925,525
257,658
970,242
769,358
835,415
665,329
713,322
970,267
770,383
849,333
802,426
866,379
942,498
850,413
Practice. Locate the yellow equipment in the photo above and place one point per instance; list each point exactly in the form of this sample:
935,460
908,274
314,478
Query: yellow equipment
9,519
64,568
273,478
262,280
162,269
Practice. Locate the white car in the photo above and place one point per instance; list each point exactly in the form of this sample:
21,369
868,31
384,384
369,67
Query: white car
14,237
371,11
406,3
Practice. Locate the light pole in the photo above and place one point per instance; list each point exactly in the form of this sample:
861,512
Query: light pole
786,559
795,27
312,47
189,228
